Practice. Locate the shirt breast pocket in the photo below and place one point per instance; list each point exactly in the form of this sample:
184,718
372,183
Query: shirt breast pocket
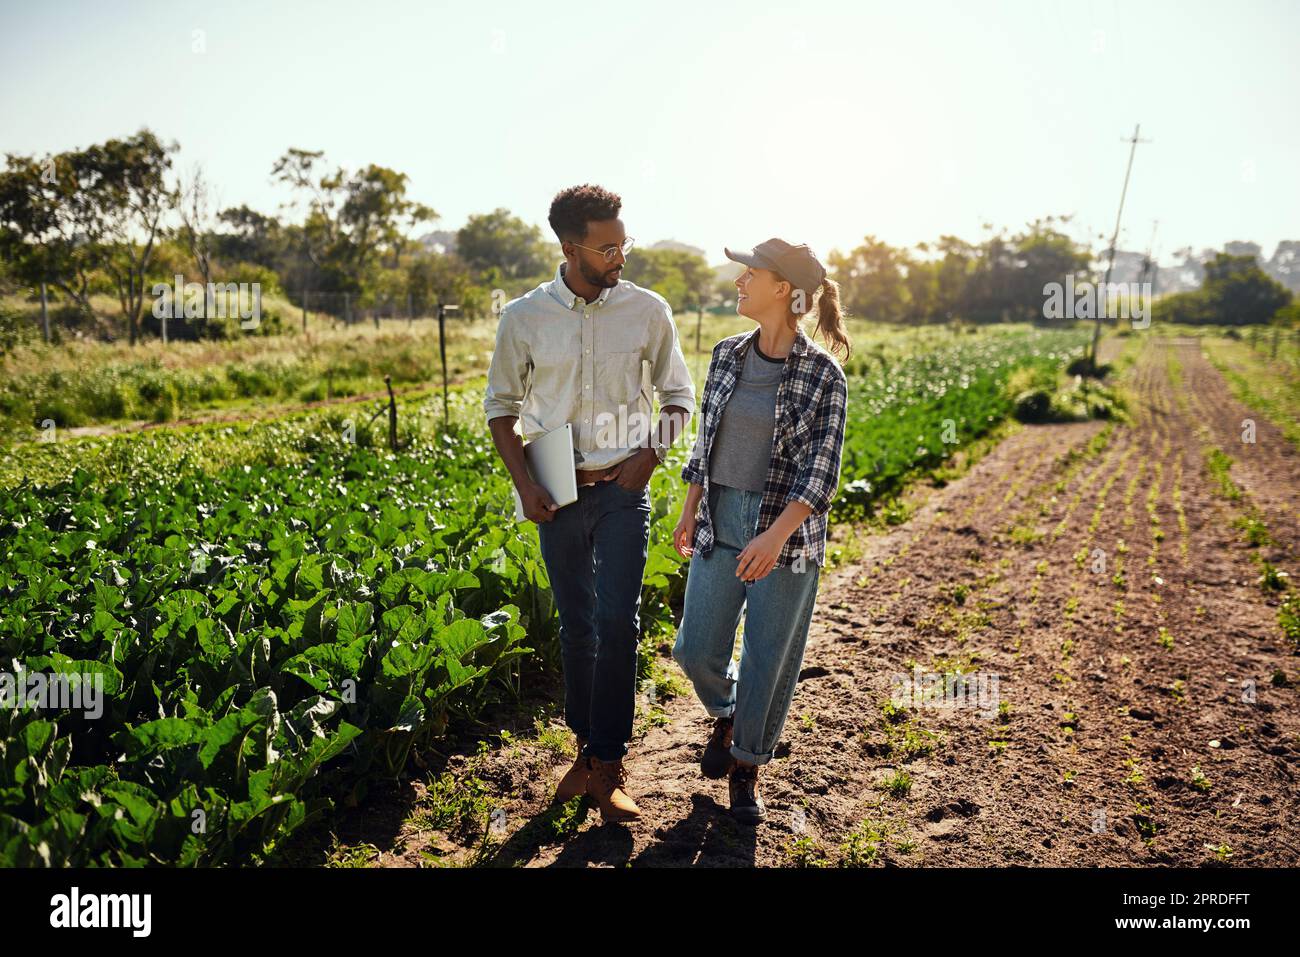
796,432
618,380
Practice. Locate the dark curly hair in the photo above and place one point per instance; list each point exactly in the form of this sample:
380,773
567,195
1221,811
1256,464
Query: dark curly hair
573,208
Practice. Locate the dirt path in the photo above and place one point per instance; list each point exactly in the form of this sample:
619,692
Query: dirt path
1095,572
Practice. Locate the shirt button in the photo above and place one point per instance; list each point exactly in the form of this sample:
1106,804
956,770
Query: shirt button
586,420
586,386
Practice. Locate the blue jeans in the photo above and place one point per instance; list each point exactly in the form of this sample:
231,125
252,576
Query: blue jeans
779,608
595,552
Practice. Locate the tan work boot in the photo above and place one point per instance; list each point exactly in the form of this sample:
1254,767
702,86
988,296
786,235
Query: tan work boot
606,785
574,781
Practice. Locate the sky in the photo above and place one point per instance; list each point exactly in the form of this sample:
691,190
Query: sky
718,123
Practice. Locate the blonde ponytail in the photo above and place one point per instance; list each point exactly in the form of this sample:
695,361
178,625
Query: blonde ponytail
830,318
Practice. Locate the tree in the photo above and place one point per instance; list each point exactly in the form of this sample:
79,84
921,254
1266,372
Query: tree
1240,293
196,214
130,178
990,289
353,222
434,278
954,268
1235,291
921,281
70,218
49,229
252,237
683,278
498,239
1044,255
871,280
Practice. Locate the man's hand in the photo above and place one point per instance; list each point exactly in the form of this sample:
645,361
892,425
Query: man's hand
633,473
538,504
759,557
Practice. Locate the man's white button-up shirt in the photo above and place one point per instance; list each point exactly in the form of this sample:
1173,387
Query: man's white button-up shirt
561,359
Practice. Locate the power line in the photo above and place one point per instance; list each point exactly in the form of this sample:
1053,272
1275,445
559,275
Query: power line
1110,264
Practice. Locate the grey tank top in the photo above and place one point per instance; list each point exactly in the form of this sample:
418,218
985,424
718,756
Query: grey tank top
742,446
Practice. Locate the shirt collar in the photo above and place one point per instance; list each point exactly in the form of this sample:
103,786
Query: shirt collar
560,291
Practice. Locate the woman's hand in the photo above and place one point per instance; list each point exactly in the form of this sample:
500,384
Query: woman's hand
759,557
684,534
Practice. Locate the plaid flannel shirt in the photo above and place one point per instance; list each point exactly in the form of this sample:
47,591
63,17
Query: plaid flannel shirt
808,438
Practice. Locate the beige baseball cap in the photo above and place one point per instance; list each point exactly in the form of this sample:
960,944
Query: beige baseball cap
796,263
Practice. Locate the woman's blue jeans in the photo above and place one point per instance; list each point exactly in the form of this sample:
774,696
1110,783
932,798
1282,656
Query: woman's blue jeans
778,610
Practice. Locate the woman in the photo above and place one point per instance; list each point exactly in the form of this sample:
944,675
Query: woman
764,470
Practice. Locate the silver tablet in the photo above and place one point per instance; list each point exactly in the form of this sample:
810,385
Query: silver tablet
550,461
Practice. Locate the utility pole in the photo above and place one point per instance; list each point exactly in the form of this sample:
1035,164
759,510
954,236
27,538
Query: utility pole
1148,264
1110,263
1150,272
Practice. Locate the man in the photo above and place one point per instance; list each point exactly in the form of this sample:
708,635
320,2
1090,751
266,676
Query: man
572,350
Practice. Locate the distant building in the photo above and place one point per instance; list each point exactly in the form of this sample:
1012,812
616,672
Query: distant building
440,241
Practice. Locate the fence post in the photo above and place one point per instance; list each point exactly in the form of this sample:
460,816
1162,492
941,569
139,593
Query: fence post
304,310
410,311
347,308
45,314
442,351
443,309
392,414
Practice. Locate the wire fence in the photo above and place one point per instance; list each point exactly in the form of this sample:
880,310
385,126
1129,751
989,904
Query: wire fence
1275,342
348,309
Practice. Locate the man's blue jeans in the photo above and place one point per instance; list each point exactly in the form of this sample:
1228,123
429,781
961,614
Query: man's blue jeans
595,552
779,608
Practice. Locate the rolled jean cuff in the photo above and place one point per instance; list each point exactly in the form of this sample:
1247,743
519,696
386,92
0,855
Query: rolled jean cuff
614,754
724,712
750,756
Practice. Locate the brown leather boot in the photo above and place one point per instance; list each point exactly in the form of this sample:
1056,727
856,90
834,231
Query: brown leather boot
607,785
574,781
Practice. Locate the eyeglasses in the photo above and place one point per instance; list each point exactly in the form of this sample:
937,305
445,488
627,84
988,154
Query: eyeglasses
626,247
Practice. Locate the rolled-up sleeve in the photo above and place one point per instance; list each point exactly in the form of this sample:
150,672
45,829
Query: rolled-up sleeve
693,470
506,374
819,475
671,377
